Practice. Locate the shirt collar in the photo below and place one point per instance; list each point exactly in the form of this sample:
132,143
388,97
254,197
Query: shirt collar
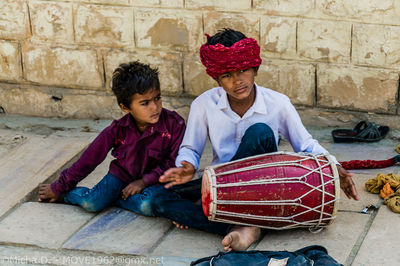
127,121
258,105
223,102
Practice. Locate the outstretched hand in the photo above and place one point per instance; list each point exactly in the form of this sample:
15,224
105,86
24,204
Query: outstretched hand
178,175
347,184
46,194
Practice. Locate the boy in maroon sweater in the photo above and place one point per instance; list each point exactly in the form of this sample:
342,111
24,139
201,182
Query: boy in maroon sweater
144,142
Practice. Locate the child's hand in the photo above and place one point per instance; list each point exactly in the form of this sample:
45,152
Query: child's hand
178,175
347,184
46,194
133,188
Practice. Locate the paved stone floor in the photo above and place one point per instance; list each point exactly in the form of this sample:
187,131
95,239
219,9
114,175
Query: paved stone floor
34,150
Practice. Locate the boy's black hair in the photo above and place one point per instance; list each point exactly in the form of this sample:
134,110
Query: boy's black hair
133,77
226,37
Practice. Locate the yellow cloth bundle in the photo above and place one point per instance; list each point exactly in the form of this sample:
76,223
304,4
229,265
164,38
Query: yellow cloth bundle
397,148
374,185
386,191
383,185
393,201
392,179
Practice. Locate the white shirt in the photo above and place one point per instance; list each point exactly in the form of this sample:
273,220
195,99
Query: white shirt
211,116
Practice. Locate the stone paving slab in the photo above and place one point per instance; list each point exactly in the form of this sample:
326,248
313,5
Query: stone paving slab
189,243
47,126
42,224
32,162
338,238
177,261
363,151
28,255
381,150
10,139
98,173
23,154
119,231
381,244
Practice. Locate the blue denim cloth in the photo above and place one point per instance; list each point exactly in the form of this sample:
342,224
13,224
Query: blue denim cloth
176,203
141,203
102,195
258,139
108,192
309,256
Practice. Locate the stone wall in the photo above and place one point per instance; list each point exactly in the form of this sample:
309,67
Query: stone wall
57,57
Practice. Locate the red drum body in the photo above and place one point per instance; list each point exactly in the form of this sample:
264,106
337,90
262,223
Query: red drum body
279,190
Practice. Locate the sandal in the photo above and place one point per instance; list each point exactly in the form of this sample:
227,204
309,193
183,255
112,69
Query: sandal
363,132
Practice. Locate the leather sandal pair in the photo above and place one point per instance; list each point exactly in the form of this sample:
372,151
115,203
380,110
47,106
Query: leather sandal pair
363,132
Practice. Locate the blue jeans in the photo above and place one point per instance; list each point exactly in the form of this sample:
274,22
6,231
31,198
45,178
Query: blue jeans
177,203
108,192
102,195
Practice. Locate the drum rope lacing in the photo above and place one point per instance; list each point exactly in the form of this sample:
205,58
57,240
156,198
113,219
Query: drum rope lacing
314,225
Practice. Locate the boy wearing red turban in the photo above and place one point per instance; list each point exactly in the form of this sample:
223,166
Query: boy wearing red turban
241,119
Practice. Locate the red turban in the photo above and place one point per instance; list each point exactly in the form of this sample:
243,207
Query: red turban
219,59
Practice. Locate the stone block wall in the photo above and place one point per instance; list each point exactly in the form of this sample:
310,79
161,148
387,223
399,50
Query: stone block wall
57,57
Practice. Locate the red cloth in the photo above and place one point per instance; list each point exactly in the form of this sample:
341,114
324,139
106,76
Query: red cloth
367,164
219,59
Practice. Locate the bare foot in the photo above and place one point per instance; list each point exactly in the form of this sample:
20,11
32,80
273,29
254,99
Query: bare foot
180,226
241,237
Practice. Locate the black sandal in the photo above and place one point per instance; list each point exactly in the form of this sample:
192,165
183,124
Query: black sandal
363,132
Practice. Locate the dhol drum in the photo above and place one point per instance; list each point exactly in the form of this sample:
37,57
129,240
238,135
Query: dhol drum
280,190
